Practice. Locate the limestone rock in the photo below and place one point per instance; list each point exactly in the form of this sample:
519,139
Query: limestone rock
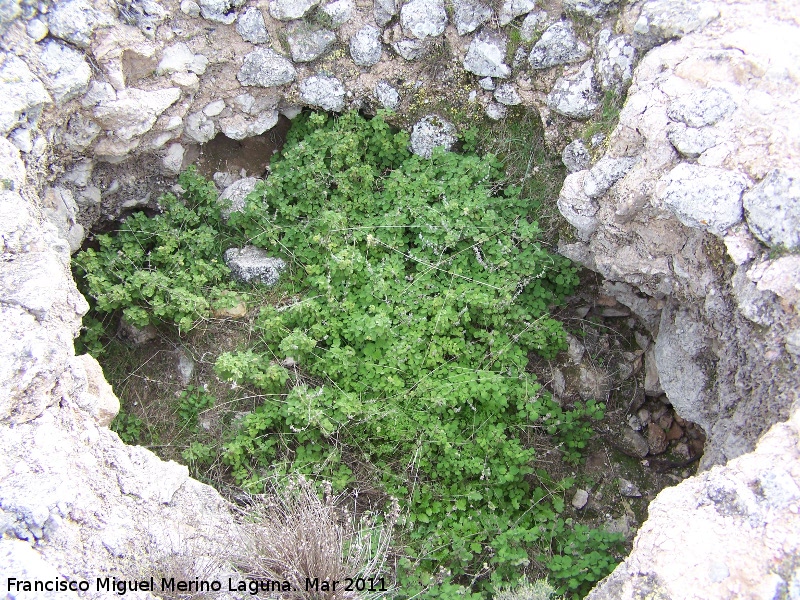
59,209
468,15
772,209
496,111
628,489
430,132
22,94
75,21
384,11
239,127
220,11
558,46
533,24
264,67
487,84
605,173
9,11
691,142
575,96
67,71
664,20
423,18
133,111
326,92
507,94
575,156
178,58
339,12
486,55
251,26
307,45
613,61
37,29
387,96
590,8
199,127
365,46
253,265
580,499
593,383
511,9
703,107
173,158
576,207
633,443
704,197
99,399
287,10
233,197
411,49
652,386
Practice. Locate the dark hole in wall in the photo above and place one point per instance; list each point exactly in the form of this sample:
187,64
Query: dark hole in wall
231,156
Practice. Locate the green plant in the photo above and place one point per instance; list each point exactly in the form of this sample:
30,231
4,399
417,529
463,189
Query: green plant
128,427
163,268
426,290
584,557
192,401
573,428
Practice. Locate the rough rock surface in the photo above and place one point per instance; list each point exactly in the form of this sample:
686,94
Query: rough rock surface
306,45
468,15
576,96
423,18
486,56
558,46
251,264
233,197
365,46
266,68
324,92
430,132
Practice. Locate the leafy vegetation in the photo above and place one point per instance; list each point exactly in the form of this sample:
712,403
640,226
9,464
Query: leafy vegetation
401,368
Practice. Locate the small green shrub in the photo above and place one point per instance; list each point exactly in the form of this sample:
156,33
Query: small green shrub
128,427
193,400
164,268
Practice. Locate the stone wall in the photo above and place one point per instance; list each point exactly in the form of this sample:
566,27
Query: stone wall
689,210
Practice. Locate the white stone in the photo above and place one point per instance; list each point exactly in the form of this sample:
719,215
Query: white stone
532,25
173,158
387,96
486,55
423,18
430,132
264,67
306,44
220,11
22,94
772,209
495,111
339,12
468,15
558,45
199,127
575,96
134,111
365,46
251,26
68,73
212,109
287,10
704,197
75,21
512,9
37,29
324,92
507,94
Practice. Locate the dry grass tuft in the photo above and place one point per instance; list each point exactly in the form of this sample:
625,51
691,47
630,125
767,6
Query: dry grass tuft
294,535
